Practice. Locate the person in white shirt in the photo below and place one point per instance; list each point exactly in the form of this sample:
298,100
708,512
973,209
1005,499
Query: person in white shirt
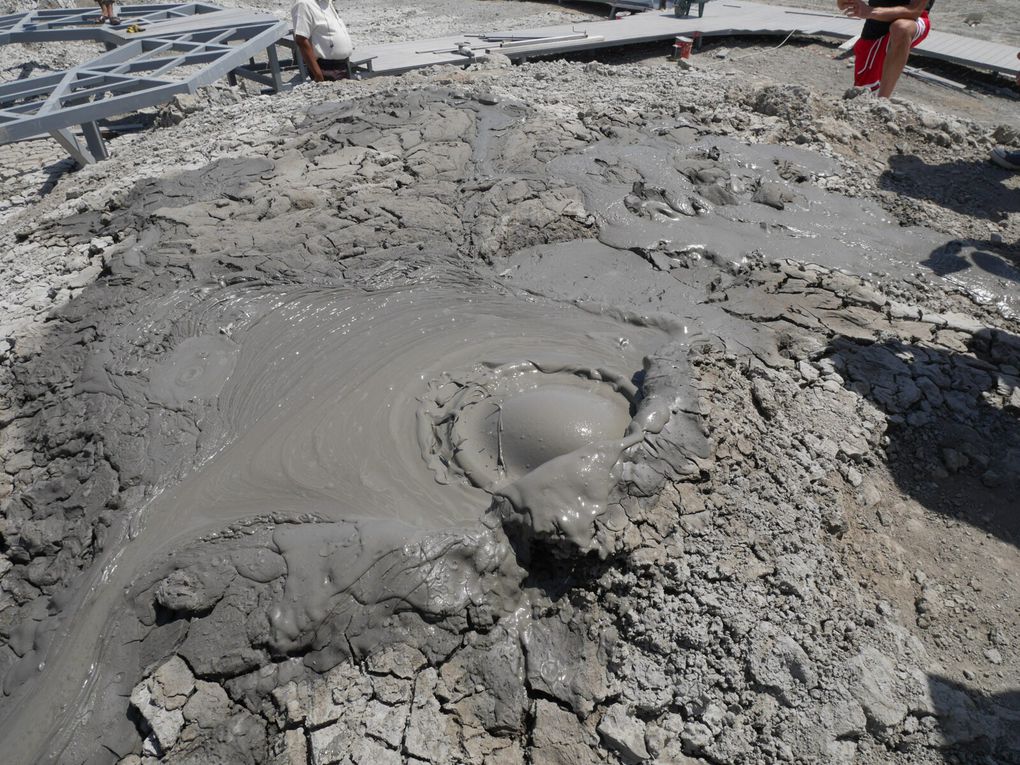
322,39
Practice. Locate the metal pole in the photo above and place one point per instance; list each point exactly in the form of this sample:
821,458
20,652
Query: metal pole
300,59
94,140
274,68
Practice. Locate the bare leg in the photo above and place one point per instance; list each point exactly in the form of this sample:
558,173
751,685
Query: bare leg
901,34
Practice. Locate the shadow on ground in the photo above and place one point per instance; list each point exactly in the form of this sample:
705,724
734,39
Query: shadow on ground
986,727
954,422
968,188
26,69
959,255
50,175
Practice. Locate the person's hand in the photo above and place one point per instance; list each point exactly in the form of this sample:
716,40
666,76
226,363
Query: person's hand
857,9
844,5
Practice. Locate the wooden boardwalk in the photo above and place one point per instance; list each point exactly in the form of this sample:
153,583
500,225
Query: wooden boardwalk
721,19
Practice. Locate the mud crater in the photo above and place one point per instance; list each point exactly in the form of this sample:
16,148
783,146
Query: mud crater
499,421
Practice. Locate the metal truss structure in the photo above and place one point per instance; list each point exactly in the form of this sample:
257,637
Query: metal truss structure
154,54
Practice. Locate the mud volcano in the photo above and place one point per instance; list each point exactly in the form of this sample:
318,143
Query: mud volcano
437,427
507,419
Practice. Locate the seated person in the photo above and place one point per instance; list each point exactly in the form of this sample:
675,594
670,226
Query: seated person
322,39
891,29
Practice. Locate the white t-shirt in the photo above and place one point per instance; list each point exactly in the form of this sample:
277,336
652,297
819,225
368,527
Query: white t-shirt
319,22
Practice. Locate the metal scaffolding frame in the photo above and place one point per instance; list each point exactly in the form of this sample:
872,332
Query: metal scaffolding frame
58,24
154,54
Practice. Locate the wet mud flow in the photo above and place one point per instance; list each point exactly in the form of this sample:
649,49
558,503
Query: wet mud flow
326,410
375,409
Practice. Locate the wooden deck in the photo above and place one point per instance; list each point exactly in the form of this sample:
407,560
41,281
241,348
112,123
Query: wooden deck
720,19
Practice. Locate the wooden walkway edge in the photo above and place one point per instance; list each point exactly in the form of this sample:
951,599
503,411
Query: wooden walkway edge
720,19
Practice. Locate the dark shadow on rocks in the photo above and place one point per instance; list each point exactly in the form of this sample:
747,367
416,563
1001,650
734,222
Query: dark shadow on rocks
981,727
959,255
555,577
54,172
27,69
129,123
953,421
966,187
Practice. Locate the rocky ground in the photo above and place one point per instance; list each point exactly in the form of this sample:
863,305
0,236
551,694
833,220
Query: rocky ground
812,561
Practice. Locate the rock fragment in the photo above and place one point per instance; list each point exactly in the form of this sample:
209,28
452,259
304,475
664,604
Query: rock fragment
624,734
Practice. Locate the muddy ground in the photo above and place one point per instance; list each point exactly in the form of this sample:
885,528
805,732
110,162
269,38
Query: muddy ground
581,411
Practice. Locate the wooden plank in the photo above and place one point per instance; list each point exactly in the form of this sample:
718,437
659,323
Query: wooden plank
948,47
970,52
929,77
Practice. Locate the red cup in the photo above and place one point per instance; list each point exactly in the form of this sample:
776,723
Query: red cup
683,47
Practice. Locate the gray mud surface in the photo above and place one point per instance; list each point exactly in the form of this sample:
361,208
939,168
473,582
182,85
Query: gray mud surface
563,413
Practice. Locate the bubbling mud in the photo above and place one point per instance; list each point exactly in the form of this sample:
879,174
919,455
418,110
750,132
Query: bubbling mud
499,422
543,437
536,426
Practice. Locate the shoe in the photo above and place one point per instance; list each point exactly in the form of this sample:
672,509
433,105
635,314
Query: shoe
113,21
1005,158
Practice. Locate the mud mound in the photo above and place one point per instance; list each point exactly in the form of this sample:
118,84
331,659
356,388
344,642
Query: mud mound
434,425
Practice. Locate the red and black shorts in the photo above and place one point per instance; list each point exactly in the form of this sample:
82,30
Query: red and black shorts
869,55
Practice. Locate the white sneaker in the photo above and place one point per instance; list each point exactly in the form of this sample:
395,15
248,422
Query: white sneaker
1005,158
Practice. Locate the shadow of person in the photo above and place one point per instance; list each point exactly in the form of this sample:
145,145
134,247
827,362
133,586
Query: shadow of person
967,187
975,722
958,255
954,421
26,69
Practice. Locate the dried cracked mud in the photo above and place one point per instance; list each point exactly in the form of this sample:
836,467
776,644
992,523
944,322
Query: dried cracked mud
447,420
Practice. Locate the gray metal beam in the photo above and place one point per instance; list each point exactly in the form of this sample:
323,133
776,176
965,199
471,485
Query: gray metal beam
42,25
274,68
21,88
256,43
137,73
81,113
94,140
252,74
